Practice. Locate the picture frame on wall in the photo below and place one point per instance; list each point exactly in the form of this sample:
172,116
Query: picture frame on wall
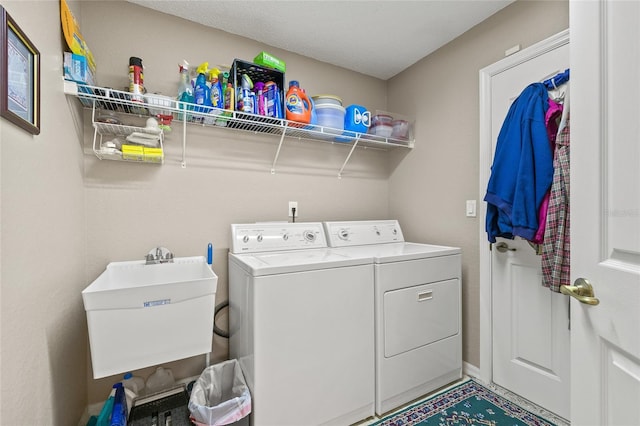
19,76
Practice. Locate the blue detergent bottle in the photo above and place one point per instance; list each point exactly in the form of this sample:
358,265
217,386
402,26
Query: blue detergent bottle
202,92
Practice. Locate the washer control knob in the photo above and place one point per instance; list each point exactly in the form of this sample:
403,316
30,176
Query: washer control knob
377,231
343,234
245,239
285,236
395,231
309,236
259,238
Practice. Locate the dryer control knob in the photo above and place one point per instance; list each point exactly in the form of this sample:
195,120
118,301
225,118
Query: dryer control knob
285,236
343,234
309,236
259,238
245,239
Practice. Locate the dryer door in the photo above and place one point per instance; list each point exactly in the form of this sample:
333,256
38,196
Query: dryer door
420,315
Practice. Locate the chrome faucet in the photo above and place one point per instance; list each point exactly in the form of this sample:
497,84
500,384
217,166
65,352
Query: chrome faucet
158,255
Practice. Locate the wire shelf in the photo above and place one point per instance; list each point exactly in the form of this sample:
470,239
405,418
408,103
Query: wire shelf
119,101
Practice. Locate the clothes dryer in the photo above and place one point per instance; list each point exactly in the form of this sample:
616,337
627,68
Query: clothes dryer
417,308
301,325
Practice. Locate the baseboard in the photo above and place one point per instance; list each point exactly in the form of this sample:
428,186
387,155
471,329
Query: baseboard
470,370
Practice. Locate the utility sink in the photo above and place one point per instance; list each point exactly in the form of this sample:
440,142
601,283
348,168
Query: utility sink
140,315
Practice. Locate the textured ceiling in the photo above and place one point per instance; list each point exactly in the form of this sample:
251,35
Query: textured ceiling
377,38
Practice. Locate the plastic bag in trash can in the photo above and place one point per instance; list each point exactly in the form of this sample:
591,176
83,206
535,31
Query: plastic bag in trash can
220,396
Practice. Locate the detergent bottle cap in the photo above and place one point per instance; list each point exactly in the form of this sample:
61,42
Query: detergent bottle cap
294,83
259,86
133,383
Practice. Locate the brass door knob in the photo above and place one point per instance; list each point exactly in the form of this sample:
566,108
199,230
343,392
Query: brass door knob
503,247
581,290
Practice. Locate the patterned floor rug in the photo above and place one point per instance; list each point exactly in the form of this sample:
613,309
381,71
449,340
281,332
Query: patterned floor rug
468,403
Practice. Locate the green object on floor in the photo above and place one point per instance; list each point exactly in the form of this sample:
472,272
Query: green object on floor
468,403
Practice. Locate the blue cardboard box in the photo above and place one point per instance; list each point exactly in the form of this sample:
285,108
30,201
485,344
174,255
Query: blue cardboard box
76,69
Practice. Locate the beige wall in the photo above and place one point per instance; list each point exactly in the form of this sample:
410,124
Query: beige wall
428,188
65,215
132,208
43,339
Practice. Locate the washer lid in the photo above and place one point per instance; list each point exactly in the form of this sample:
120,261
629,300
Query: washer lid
284,262
396,252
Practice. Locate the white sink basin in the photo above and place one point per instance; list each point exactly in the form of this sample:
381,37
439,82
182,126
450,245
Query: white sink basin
143,315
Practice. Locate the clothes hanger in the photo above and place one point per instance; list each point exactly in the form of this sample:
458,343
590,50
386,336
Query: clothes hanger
557,80
565,111
556,86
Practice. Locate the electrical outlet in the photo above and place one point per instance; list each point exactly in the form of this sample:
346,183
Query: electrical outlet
293,205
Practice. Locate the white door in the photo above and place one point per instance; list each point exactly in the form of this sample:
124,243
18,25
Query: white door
605,211
529,323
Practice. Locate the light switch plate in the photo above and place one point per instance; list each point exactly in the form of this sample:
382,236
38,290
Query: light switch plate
471,208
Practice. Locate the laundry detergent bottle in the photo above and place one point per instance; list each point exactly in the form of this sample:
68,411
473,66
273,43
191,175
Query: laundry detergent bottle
202,92
217,95
297,104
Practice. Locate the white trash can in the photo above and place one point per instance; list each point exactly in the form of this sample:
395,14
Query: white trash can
220,396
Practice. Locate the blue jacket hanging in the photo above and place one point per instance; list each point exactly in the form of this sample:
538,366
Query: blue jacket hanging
522,169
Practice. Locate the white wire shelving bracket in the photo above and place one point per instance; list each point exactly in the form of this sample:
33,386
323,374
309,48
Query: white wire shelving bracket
121,102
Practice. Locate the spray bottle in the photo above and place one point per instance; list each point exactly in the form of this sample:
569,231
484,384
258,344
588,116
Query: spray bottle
202,92
120,410
185,90
261,108
246,101
217,97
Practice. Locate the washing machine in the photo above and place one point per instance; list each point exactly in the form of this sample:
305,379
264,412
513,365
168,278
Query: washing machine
417,309
301,325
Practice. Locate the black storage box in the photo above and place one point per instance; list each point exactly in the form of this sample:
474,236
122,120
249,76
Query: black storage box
256,73
172,402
